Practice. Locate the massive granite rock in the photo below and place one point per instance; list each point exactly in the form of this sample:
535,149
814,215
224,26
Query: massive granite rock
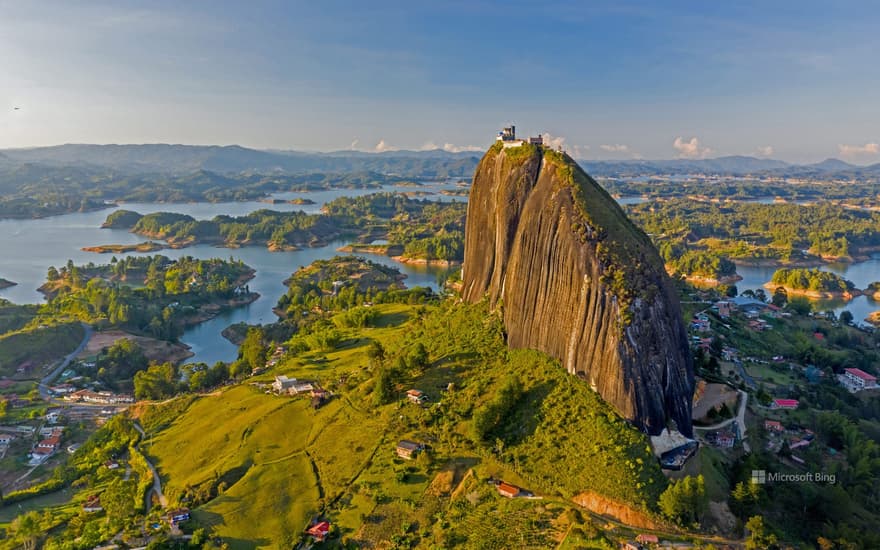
577,280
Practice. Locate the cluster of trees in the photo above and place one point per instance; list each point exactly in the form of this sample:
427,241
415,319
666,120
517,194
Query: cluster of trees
426,229
699,263
811,279
345,282
171,291
741,189
685,501
119,363
748,230
275,229
494,414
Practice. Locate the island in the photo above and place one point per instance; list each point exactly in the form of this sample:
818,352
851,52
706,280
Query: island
812,283
146,246
5,283
147,295
416,231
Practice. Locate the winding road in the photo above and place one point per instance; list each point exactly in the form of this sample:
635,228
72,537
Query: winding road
44,383
157,482
740,419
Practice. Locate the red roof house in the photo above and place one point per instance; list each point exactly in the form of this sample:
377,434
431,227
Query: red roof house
773,426
784,404
507,490
319,531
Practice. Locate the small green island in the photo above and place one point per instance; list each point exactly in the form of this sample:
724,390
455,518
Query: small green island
418,231
5,283
146,246
812,283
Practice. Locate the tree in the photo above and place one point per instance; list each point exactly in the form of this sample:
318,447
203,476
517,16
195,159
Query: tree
253,349
375,351
383,389
780,297
745,498
759,538
27,529
846,317
685,501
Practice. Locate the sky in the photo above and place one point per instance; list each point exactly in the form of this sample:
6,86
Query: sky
797,81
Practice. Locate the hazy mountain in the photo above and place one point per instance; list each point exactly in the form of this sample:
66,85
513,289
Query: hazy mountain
164,158
834,165
186,159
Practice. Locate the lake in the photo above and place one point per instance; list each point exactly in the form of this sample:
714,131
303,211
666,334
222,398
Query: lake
31,246
861,274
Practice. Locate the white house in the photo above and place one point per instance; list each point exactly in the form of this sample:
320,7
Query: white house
282,383
857,379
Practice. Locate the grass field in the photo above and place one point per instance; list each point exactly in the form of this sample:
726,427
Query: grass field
265,465
37,346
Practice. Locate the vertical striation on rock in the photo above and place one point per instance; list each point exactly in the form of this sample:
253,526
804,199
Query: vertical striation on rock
578,281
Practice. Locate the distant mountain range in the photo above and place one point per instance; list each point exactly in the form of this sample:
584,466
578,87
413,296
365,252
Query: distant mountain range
182,159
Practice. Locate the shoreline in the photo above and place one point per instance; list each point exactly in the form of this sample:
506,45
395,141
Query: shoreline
425,261
147,246
6,283
815,294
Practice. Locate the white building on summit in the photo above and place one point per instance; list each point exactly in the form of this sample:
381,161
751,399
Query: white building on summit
507,136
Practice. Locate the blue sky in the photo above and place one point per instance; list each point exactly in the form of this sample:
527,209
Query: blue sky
791,80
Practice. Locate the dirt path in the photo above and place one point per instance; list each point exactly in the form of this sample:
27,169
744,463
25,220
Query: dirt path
157,482
44,383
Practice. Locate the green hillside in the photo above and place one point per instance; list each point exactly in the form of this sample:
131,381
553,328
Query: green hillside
257,467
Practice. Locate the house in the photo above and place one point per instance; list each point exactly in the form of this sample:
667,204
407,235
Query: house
301,386
648,539
857,380
408,449
283,383
48,431
40,455
178,515
508,490
538,140
319,397
416,396
62,389
50,443
319,531
798,443
92,504
111,465
774,426
6,439
787,404
53,417
632,545
723,439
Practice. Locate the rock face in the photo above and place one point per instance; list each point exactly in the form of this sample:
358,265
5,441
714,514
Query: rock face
578,281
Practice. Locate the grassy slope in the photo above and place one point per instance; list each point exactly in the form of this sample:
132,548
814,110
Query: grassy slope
38,345
284,462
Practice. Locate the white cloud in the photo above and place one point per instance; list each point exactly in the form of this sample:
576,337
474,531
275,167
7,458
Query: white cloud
554,142
381,147
851,151
449,147
616,148
354,144
766,151
690,148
